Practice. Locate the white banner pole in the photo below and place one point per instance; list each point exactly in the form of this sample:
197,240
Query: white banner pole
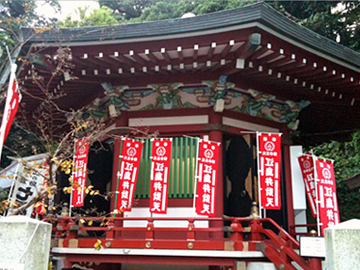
316,195
196,175
15,184
258,171
73,177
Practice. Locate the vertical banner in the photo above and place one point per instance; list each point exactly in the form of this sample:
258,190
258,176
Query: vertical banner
206,177
326,190
269,155
13,98
28,183
160,167
306,163
79,172
127,175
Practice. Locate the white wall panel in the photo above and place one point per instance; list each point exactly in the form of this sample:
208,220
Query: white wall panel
298,187
168,121
247,125
171,212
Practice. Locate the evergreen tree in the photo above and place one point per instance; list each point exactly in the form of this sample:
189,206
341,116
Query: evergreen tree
101,16
336,20
127,9
141,11
13,15
346,164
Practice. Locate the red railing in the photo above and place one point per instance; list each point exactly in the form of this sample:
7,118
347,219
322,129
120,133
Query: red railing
277,247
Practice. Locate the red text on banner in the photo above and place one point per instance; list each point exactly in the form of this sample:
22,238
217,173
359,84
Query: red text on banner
269,170
13,98
80,172
326,190
160,167
12,109
306,163
127,175
206,178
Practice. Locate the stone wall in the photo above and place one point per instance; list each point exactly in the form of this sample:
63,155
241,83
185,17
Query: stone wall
25,243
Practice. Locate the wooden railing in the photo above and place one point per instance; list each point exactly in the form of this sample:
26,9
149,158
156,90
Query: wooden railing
277,245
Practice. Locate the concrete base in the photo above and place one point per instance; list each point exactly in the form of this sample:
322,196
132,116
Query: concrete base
25,243
342,246
126,266
260,266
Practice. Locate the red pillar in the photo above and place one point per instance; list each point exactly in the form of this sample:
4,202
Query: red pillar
68,263
216,136
315,264
122,121
288,183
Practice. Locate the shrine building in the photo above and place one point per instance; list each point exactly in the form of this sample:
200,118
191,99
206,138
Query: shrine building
222,77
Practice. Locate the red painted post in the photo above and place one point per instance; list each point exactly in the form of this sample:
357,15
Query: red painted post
236,235
110,234
215,119
150,229
121,121
191,232
68,263
256,227
72,232
288,183
283,254
60,225
315,264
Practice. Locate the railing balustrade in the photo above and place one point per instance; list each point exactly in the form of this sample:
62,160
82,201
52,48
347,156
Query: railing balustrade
278,247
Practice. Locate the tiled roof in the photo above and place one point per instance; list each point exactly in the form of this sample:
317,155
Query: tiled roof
259,12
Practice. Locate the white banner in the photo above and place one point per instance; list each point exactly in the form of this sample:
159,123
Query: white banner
26,184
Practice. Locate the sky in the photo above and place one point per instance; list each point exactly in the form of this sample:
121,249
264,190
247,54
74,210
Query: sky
68,7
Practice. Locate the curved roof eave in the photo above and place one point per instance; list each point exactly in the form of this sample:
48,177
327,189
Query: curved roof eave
260,14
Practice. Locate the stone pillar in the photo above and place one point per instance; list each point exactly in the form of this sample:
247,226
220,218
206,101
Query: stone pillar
24,241
342,246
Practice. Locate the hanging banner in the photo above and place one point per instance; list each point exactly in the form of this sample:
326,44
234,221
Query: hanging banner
28,183
127,175
206,177
80,172
160,167
306,163
326,190
269,155
13,98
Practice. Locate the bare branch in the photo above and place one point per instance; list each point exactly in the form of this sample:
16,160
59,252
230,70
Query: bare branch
16,211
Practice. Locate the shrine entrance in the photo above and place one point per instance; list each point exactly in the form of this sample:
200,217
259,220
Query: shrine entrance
240,179
240,187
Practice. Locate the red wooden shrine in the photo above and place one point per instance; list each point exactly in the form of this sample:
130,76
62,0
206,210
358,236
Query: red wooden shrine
220,77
